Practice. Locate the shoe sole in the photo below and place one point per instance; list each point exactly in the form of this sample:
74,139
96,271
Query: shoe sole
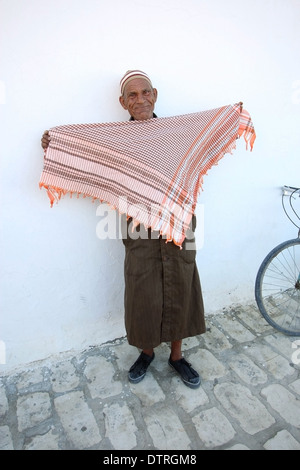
137,380
188,384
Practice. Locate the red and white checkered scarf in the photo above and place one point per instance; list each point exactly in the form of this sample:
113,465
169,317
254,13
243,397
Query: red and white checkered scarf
151,170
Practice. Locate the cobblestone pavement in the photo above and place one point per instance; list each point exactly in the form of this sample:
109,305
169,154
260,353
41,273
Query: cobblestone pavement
249,398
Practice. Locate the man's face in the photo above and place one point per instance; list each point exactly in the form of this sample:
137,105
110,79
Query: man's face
139,99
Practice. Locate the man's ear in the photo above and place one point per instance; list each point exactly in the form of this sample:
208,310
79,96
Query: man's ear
155,93
122,102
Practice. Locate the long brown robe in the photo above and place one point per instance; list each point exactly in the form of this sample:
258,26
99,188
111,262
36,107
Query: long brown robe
163,297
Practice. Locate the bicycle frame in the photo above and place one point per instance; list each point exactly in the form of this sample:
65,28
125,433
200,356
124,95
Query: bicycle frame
291,191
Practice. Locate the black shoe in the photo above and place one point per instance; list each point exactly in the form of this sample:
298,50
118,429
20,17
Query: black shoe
138,370
188,375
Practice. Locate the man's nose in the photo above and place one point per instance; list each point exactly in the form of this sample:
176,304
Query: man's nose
140,98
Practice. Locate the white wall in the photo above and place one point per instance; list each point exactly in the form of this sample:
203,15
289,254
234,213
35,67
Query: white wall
61,61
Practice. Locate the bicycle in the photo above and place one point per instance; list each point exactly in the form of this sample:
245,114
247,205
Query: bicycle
277,284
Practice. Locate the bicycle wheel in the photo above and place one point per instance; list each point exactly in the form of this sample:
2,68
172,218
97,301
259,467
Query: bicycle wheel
277,287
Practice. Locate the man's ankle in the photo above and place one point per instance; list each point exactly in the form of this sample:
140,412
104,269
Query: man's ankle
176,357
148,352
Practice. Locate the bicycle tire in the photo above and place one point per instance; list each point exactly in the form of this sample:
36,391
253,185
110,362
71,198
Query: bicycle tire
277,287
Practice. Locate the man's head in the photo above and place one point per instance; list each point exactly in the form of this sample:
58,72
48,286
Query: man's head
138,96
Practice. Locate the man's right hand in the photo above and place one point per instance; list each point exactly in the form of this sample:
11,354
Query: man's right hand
45,140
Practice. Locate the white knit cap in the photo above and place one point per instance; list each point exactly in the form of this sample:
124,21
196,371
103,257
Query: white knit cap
130,75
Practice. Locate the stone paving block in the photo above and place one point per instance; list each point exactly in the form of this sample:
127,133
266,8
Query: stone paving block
261,353
100,375
238,401
215,340
295,386
235,329
188,398
48,441
213,428
162,366
120,426
33,409
148,391
126,355
282,441
284,402
29,379
207,365
238,447
280,367
166,430
6,442
78,420
3,401
281,343
270,360
160,362
63,377
247,370
254,319
189,343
